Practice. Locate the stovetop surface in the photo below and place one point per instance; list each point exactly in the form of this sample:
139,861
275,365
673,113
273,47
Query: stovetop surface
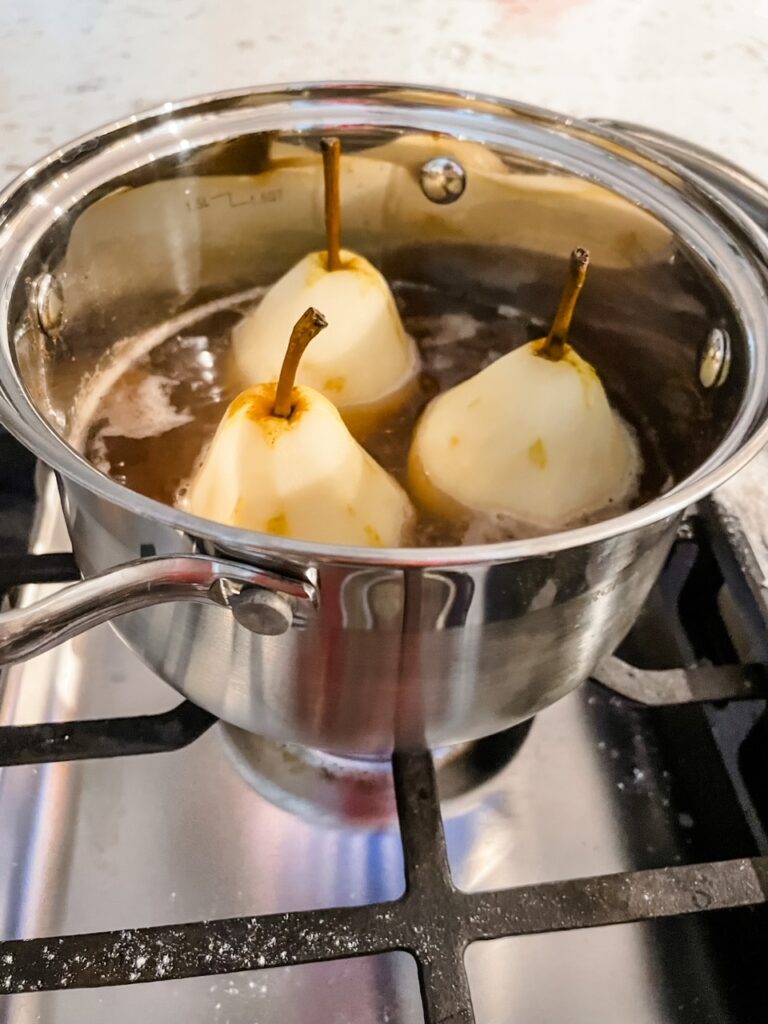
597,785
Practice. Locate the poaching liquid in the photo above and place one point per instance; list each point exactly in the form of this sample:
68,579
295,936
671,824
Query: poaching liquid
151,421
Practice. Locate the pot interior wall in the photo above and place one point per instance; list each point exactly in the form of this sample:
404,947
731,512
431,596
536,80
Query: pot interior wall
218,218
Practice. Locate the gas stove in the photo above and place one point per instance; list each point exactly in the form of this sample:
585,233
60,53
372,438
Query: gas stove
607,861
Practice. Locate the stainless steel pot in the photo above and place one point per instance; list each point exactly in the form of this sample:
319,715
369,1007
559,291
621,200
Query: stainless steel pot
350,649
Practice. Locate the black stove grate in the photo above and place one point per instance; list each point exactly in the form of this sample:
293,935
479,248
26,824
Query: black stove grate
433,920
103,737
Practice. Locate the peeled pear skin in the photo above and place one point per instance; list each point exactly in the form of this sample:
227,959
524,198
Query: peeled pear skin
362,358
302,476
527,439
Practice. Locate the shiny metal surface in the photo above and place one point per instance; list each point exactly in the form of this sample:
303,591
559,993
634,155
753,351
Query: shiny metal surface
183,836
443,179
26,632
405,646
715,358
262,612
46,300
388,656
749,194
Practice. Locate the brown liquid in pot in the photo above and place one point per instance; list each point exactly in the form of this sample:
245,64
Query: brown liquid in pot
151,426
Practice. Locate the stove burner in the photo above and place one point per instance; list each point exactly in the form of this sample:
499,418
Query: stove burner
433,920
349,791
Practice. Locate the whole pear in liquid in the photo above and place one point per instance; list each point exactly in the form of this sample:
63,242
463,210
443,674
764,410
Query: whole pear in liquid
282,461
364,361
530,441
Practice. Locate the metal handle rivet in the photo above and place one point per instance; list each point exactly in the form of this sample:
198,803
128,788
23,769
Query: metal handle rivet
715,359
262,611
46,303
442,179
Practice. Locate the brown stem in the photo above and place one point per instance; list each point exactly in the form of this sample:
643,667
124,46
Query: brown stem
309,324
555,342
331,160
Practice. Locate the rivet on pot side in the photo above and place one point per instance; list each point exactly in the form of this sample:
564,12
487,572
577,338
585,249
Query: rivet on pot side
442,180
715,360
46,305
262,612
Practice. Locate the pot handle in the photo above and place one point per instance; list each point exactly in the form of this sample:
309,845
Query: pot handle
260,600
747,192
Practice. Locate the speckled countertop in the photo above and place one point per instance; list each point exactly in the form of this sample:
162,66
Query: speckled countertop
697,68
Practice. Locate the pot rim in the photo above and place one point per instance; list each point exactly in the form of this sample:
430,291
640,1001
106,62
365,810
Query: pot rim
19,414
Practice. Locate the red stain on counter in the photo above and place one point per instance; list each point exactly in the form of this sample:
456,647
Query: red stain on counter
532,15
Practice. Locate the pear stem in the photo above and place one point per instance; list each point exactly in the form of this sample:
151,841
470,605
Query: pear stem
309,324
555,342
331,148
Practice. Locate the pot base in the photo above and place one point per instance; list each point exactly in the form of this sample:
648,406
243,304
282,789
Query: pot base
358,791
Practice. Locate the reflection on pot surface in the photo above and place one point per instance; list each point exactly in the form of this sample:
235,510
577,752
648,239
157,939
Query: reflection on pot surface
163,232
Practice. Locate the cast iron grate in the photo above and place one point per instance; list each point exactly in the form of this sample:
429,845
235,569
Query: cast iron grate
433,921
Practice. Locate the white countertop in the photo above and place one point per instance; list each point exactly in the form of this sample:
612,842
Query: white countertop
696,68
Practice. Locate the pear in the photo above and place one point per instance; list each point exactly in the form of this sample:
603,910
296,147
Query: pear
530,444
283,462
365,361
